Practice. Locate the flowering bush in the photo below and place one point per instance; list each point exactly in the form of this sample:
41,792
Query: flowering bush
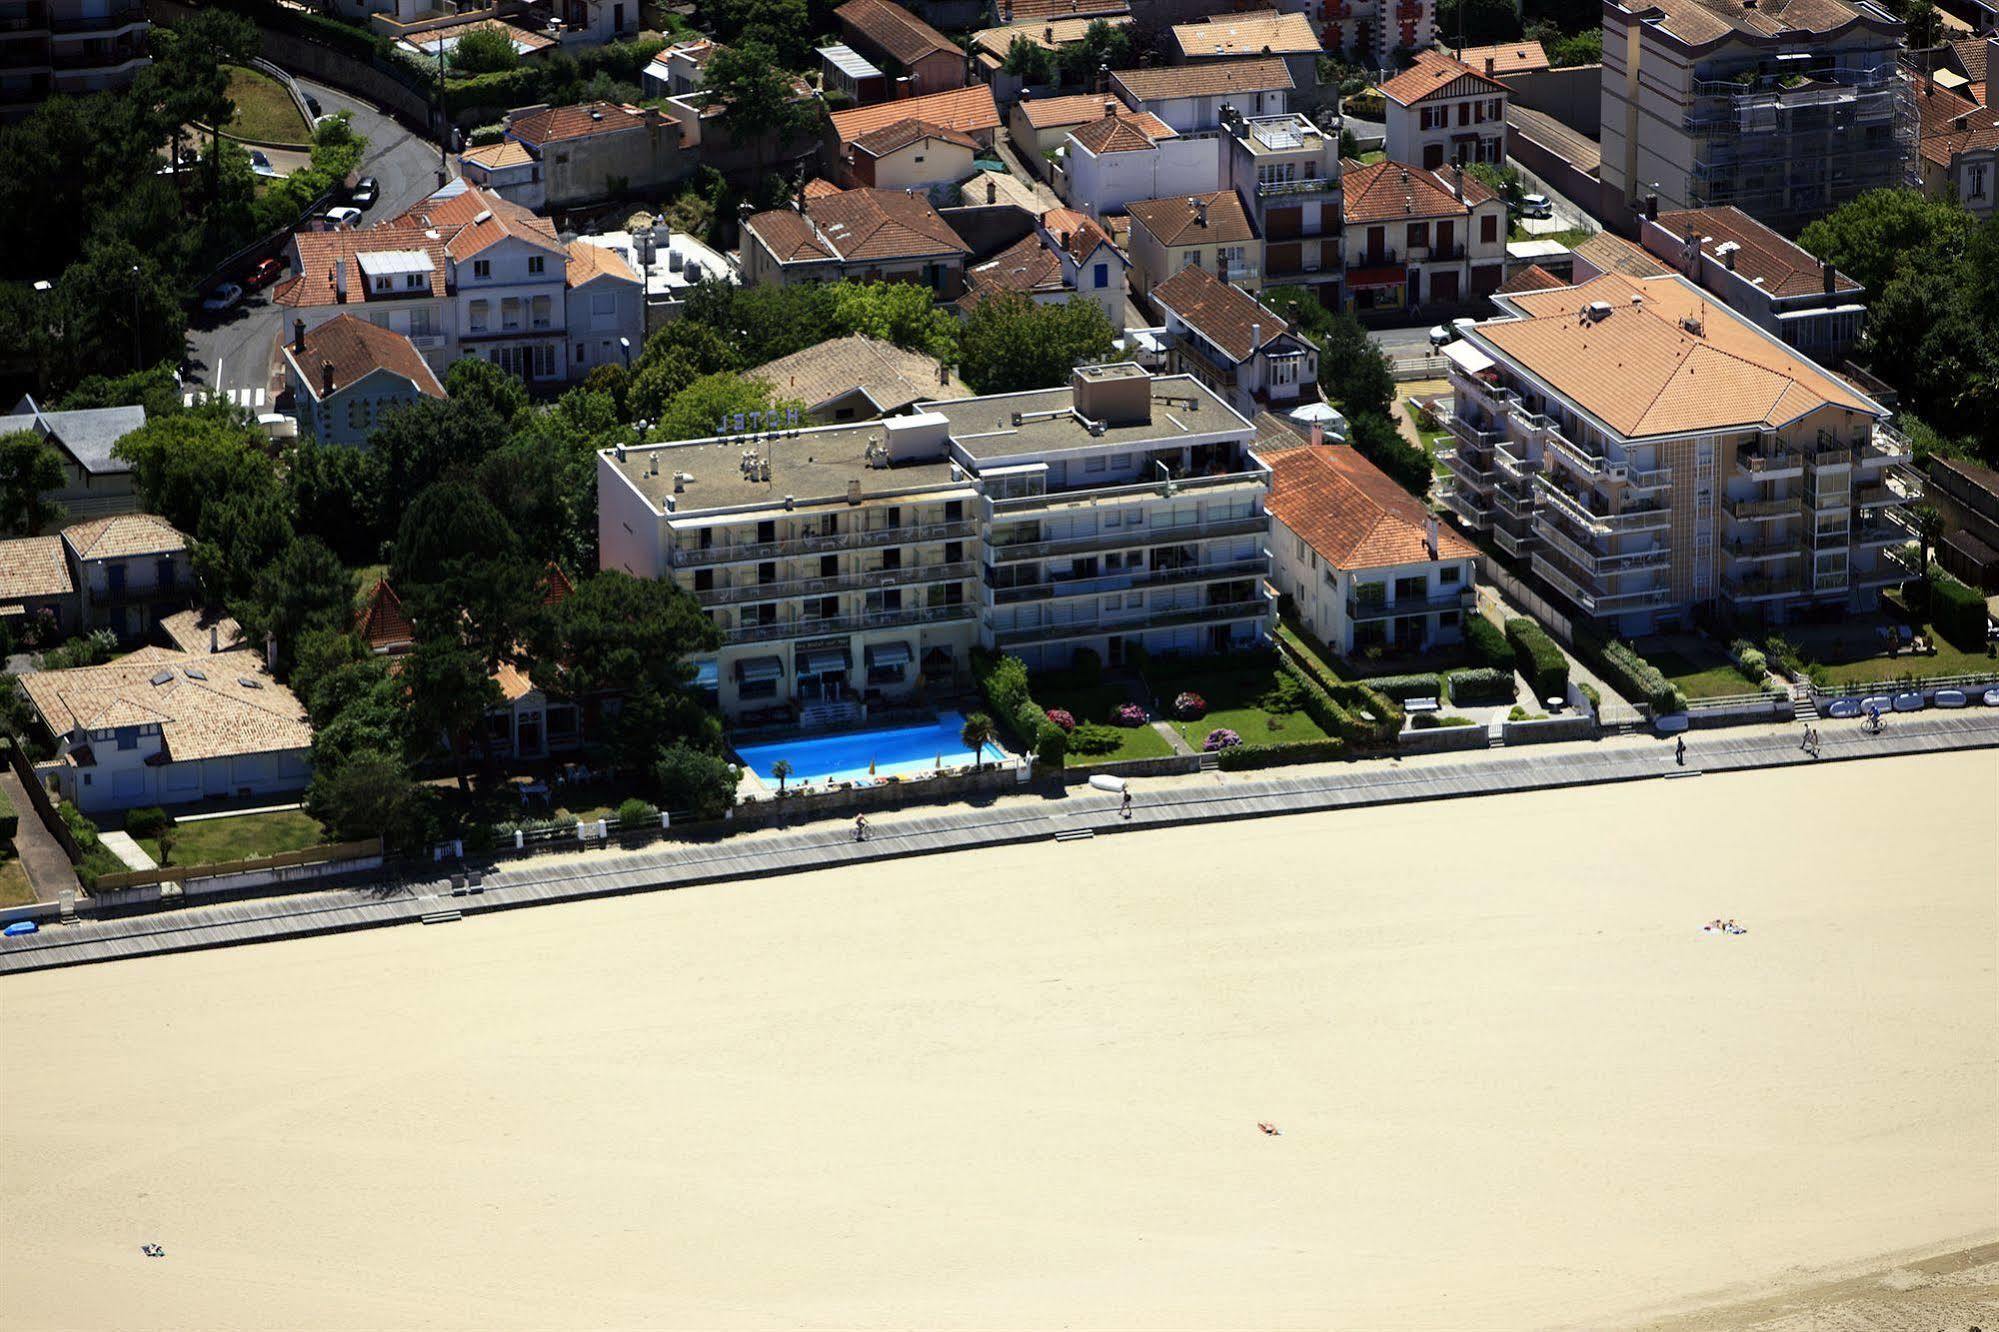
1128,714
1221,738
1190,706
1063,718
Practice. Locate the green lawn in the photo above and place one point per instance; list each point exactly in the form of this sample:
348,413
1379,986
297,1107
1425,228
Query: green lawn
1571,238
1432,440
1699,666
265,112
1850,653
15,890
241,837
1231,690
1093,702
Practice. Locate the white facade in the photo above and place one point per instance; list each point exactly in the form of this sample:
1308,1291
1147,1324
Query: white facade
511,308
1440,131
1104,183
1407,607
1192,114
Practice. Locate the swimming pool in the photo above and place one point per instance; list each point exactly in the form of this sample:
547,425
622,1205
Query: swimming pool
895,751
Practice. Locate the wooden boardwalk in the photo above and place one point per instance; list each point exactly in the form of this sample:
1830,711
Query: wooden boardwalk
608,872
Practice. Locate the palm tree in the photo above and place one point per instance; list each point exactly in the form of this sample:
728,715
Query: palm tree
781,770
1929,532
977,734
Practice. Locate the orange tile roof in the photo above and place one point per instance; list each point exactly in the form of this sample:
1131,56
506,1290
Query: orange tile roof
819,187
1607,253
858,224
1123,134
1077,233
192,630
122,536
1390,192
1349,510
1049,35
894,29
1177,220
894,138
589,262
1951,123
1642,371
1223,314
472,219
236,709
355,348
382,623
1209,78
967,110
1264,33
1057,112
1531,278
1035,11
1435,74
321,252
1506,58
1027,267
493,156
558,123
1761,255
34,567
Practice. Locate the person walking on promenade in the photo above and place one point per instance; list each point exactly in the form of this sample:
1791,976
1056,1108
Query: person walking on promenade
860,827
1124,805
1680,751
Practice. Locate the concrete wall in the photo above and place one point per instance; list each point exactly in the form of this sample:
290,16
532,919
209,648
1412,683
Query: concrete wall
602,166
1105,183
1573,95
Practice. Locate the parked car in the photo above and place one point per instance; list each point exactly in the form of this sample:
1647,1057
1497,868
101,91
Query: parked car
222,297
264,274
365,193
344,217
312,105
1536,205
1441,335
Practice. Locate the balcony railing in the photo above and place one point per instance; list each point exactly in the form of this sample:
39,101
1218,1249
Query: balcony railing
1464,465
1765,550
694,557
1462,599
1273,189
1597,561
1631,518
1476,515
1472,433
847,624
1513,502
1514,543
1517,466
1871,497
1759,510
1124,582
1766,462
1756,588
1123,537
1213,614
1022,505
115,18
910,575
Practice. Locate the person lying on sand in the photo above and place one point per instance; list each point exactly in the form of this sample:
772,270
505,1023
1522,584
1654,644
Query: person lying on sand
1271,1129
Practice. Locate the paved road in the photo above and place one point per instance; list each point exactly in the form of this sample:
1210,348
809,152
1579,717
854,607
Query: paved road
232,353
47,864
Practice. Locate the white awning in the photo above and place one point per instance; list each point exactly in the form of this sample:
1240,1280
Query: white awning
759,669
1467,357
821,660
393,263
849,62
888,654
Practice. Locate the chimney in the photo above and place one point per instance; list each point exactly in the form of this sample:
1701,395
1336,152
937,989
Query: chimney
1110,108
1430,535
854,491
1048,35
1255,338
1652,207
943,373
1318,433
1458,180
992,189
1731,258
326,379
1827,272
298,335
1200,212
270,652
340,278
214,639
1488,67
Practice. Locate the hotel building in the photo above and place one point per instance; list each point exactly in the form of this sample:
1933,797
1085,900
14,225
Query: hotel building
848,563
1648,452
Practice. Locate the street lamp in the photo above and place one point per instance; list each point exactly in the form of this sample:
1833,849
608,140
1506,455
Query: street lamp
137,359
625,346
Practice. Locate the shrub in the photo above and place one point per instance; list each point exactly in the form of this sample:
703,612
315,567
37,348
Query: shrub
1635,677
1487,642
1190,706
1286,693
703,784
1481,684
1063,718
1128,714
1538,658
635,813
91,649
1051,745
1957,611
1219,739
147,821
1402,688
1238,757
1753,665
1589,691
1432,721
1092,740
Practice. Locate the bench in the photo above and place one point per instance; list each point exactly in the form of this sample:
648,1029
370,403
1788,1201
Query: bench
1420,705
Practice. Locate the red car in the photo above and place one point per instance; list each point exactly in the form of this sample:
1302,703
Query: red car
266,273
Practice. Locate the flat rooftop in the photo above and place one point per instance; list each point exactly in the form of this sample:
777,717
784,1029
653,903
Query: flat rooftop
811,465
1182,407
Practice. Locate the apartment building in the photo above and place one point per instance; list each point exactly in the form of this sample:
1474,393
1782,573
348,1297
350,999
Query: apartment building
1415,237
71,47
1231,342
1369,32
1287,171
1210,231
1442,111
848,562
1784,108
1650,452
1774,284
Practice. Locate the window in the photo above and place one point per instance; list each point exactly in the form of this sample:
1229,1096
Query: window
1095,464
482,268
536,263
1193,259
1419,234
510,312
603,305
128,738
1449,575
385,283
579,353
1488,229
422,324
416,281
542,311
1102,274
1975,178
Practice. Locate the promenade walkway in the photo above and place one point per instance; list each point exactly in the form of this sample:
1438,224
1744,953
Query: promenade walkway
1027,817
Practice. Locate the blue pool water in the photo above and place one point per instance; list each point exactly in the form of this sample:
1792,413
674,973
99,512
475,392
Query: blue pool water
894,751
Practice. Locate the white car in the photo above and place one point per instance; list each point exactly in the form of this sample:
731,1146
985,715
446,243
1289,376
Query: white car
1536,205
1440,335
344,216
222,297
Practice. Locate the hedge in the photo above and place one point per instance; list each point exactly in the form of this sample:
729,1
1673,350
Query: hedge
1051,746
1237,757
1387,713
1957,611
10,819
1632,676
1402,688
1488,643
1003,681
1482,684
1538,658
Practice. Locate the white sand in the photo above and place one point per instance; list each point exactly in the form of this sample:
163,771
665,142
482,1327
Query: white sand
1517,1085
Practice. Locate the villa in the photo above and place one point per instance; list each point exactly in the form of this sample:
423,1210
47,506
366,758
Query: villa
850,563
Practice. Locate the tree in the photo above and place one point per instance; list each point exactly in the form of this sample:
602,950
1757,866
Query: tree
369,795
427,441
1583,48
475,382
339,495
1029,61
1503,181
484,51
781,770
977,733
1473,22
1354,372
699,409
30,467
1376,437
616,632
1882,231
450,692
305,589
703,784
761,107
1010,343
1102,46
118,309
155,388
182,462
899,312
462,574
1927,520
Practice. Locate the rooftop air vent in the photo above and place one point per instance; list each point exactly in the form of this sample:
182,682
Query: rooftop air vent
485,216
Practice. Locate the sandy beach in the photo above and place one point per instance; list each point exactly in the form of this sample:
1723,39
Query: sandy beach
1517,1085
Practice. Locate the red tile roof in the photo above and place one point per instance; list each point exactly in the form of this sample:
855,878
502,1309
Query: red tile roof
894,29
1435,74
1027,268
354,349
1178,220
382,623
1035,11
589,262
1266,32
1531,278
857,224
1390,192
1349,510
1057,112
1077,233
473,219
1209,78
967,110
1123,134
558,123
1223,314
1761,255
1506,57
893,138
320,253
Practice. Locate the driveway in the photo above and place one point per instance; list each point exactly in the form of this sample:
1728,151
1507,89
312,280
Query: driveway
41,855
234,354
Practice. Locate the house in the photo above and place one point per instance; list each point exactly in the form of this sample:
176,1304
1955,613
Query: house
595,22
347,373
160,727
845,563
199,630
1496,62
1785,109
846,73
679,69
992,46
427,40
1369,32
36,589
1210,231
1013,12
94,482
1958,144
1287,169
1092,265
1654,456
606,306
1259,34
1238,347
1190,98
1769,281
1116,158
1039,126
1365,563
1030,267
130,570
599,150
858,378
667,263
508,168
910,155
1416,237
861,235
1441,111
970,111
925,61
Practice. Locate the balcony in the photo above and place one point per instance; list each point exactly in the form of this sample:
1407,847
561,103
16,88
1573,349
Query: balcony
857,582
1755,588
1593,601
1219,613
1759,510
685,558
1475,515
1818,458
1473,434
118,17
1513,502
1770,463
1435,254
847,624
1600,562
1125,537
1517,467
1053,501
1463,464
1125,582
1874,497
1460,600
1778,549
1512,542
1642,518
1296,189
